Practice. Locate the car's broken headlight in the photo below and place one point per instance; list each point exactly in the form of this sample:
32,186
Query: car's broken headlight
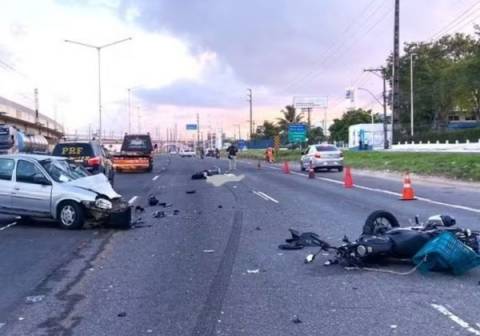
102,203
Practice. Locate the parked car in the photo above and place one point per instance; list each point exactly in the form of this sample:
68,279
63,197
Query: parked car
39,186
322,156
90,155
187,152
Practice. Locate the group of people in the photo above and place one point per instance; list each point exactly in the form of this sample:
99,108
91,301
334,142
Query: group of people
232,151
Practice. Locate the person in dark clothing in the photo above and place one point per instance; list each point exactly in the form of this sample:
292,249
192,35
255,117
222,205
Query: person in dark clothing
232,157
217,153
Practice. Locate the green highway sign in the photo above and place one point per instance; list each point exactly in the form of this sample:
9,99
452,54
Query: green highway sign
297,133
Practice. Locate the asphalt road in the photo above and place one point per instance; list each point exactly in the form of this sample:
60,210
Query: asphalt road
215,269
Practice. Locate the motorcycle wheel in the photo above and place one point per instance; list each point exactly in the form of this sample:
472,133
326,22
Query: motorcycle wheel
378,222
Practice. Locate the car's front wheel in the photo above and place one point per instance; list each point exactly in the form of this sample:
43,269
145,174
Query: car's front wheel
70,215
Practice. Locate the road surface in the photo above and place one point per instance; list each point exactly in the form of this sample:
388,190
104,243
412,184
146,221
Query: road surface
215,269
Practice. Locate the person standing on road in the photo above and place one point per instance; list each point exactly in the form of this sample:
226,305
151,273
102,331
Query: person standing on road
232,157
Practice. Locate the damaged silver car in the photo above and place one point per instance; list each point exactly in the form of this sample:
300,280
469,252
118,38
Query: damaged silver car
38,186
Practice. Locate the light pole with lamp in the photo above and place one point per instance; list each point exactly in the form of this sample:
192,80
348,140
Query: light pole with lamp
412,55
99,48
374,97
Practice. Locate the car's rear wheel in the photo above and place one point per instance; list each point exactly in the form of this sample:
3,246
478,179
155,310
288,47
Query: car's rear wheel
70,215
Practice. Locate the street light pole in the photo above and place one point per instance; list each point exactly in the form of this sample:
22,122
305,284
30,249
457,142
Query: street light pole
99,49
383,77
411,94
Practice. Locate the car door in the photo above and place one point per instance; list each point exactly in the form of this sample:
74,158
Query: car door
31,195
6,183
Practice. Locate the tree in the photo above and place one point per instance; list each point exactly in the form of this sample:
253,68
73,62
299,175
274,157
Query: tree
267,130
315,135
339,128
290,116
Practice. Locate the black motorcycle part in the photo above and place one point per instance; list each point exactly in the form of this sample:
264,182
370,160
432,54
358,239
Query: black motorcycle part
379,222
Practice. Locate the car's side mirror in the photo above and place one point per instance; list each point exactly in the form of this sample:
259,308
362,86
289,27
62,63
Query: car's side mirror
40,179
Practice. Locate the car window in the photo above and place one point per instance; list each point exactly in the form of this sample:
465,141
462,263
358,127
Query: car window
6,169
59,170
74,150
326,149
311,150
26,171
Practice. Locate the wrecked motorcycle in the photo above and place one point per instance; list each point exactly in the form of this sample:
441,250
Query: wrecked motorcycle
382,238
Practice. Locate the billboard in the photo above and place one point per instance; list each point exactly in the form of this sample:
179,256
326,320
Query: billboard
311,102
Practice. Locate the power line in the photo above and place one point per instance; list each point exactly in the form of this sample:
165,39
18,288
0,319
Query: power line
337,45
457,20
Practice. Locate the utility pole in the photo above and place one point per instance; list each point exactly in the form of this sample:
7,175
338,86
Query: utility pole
37,119
129,111
198,130
383,75
411,95
250,100
396,69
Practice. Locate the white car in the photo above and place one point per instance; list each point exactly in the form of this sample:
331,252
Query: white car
322,156
187,152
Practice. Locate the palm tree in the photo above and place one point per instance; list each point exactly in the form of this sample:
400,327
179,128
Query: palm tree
290,116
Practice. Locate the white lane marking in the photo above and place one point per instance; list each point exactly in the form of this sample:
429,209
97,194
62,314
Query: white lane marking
392,193
1,325
260,195
155,178
133,199
443,310
7,226
268,197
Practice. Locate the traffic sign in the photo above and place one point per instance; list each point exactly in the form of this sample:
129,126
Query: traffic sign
191,127
297,133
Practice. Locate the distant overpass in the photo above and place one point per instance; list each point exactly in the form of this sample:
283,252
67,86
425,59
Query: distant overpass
25,120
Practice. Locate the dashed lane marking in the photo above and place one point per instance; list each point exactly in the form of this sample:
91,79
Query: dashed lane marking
133,199
268,197
458,320
7,226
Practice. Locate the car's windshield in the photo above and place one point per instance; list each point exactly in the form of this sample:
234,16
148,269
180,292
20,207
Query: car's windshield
326,149
59,170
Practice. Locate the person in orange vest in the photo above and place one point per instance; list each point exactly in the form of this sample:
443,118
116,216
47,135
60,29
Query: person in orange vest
269,154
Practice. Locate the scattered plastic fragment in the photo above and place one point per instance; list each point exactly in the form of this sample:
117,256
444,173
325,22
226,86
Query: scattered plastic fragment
138,208
255,271
158,214
296,319
191,191
393,326
34,299
258,228
21,318
176,212
122,314
152,201
208,251
220,206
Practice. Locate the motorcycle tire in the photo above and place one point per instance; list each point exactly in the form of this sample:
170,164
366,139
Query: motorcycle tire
378,222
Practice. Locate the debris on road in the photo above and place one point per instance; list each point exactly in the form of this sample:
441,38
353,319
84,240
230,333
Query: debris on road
159,214
208,251
191,191
176,212
254,271
296,319
152,201
300,240
220,206
34,299
258,228
122,314
138,208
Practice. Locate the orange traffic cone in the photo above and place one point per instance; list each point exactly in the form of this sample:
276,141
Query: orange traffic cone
347,178
311,172
286,168
408,194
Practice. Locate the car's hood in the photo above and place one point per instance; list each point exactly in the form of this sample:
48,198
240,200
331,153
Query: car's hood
96,183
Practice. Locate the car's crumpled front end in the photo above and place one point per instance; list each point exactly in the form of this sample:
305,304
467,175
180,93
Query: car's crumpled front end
108,206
